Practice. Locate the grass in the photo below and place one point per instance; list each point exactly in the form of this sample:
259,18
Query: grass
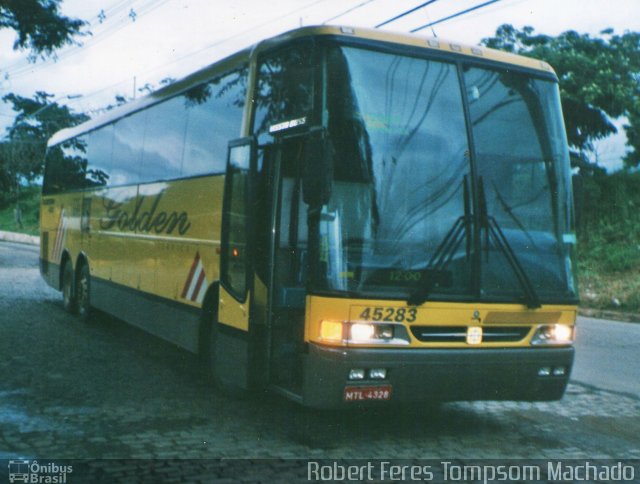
614,291
609,274
30,206
609,244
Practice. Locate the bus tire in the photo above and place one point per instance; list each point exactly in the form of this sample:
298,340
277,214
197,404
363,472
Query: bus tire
69,300
83,293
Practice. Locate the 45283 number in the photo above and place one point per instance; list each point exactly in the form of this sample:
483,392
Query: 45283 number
391,315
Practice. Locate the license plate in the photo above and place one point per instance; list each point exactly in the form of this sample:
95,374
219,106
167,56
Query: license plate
362,393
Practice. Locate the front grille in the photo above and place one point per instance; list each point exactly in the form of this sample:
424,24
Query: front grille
458,334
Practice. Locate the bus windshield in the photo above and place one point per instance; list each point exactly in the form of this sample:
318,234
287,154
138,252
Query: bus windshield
404,194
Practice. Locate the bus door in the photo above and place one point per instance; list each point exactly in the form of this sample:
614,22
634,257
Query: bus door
266,218
289,244
284,102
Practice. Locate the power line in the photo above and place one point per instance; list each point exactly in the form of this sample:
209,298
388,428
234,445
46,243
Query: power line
108,12
348,11
504,5
118,6
231,37
108,31
403,14
209,46
458,14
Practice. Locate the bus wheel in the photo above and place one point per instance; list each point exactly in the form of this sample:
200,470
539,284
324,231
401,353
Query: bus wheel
83,293
69,300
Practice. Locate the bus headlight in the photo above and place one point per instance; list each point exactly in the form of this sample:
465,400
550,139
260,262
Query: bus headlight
362,332
366,332
358,333
553,334
377,333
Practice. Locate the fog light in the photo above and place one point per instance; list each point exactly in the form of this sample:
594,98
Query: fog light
544,371
559,371
378,373
356,374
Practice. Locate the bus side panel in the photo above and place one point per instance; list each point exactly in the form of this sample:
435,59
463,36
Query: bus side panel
154,254
109,249
59,233
188,257
49,269
173,322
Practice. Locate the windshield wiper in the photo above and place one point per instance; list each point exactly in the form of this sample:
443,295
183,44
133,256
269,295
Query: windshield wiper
509,211
493,230
435,274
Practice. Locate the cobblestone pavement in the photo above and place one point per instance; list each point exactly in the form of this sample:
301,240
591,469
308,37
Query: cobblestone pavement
106,390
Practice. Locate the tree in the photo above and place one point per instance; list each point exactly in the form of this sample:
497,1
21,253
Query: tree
22,152
41,29
599,82
39,25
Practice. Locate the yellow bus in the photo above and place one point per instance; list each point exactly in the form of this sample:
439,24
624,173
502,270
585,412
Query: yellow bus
341,215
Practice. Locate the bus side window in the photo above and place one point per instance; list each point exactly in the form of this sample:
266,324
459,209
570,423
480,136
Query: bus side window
127,149
214,117
66,166
164,141
99,157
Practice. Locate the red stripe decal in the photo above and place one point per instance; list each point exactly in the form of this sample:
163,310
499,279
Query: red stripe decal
60,230
191,271
194,297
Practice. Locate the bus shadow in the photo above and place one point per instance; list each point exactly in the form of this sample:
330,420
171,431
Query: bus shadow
431,421
143,367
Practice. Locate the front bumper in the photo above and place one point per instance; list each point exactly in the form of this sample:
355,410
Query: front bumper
419,375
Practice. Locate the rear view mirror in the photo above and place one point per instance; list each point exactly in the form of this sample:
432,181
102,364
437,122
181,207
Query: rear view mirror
317,173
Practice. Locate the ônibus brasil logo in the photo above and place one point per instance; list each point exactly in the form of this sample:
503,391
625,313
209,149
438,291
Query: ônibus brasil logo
34,472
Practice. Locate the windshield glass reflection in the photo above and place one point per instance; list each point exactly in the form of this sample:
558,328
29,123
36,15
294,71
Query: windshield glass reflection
401,149
403,184
522,162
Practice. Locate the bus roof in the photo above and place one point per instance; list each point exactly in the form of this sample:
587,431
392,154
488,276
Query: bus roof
242,57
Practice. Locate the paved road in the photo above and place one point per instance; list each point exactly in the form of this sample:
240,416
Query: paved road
608,356
106,390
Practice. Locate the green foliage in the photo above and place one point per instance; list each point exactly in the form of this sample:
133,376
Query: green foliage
609,206
38,25
29,202
41,29
612,257
22,152
609,241
599,81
